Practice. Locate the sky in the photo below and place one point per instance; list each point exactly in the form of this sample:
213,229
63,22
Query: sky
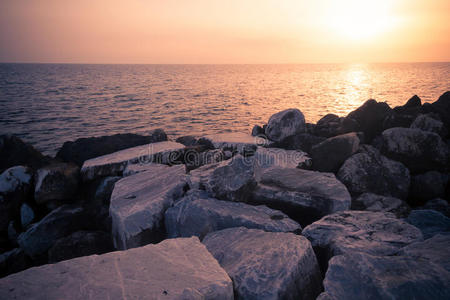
224,31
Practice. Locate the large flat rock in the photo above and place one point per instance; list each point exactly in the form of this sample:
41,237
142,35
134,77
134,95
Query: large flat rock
173,269
235,141
197,214
266,265
139,201
115,163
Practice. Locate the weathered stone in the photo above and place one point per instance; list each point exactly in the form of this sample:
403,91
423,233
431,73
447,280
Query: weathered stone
430,222
329,125
26,215
14,152
303,195
266,265
187,140
329,155
13,261
239,142
105,188
438,204
429,123
427,186
419,150
86,148
138,204
301,141
56,182
197,214
284,124
172,269
115,163
370,172
363,276
378,203
194,159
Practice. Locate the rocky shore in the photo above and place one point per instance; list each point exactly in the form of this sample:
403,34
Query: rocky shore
352,207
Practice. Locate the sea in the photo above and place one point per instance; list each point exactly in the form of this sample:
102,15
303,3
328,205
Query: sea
48,104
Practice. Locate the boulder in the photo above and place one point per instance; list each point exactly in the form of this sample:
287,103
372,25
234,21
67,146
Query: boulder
197,214
431,123
13,261
442,108
236,142
80,243
378,203
56,182
15,185
14,152
115,163
303,195
328,126
329,155
419,150
438,204
257,130
86,148
26,215
363,276
194,159
138,204
266,265
104,189
427,186
430,222
187,140
370,172
375,233
284,124
173,269
301,141
57,224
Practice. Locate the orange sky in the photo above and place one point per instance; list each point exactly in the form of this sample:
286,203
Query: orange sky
224,31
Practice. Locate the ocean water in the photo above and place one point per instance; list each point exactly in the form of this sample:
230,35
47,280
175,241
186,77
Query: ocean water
48,104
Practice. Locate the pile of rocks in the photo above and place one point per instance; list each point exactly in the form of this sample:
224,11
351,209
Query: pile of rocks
352,207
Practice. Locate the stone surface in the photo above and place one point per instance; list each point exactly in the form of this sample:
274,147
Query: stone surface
26,215
197,214
442,108
235,142
13,261
428,123
427,186
138,204
172,269
329,155
257,130
266,265
373,202
328,126
194,159
56,182
438,204
105,188
187,140
430,222
369,171
284,124
14,152
303,195
301,141
363,276
419,150
115,163
86,148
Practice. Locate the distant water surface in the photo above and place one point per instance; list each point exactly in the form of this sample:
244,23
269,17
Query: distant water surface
48,104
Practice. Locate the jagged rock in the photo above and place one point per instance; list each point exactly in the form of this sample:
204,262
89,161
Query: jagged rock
115,163
363,276
442,108
197,214
430,222
419,150
427,186
13,261
26,215
378,203
301,141
56,182
257,130
303,195
105,188
284,124
80,243
14,152
15,184
266,265
138,204
428,123
328,126
239,142
57,224
173,269
329,155
370,172
187,140
86,148
375,233
438,204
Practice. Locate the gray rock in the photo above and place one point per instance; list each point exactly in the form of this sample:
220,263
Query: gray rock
430,222
197,214
26,215
138,204
194,159
115,163
427,186
438,204
301,141
105,188
378,203
266,265
13,261
329,155
257,130
56,182
428,123
303,195
363,276
284,124
419,150
239,142
370,172
187,140
172,269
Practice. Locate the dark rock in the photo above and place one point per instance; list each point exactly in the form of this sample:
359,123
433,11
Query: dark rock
266,265
257,130
13,261
427,186
301,141
431,123
13,232
284,124
328,126
430,222
187,140
370,172
378,203
414,101
437,204
13,152
442,108
105,188
236,142
329,155
27,215
86,148
194,159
